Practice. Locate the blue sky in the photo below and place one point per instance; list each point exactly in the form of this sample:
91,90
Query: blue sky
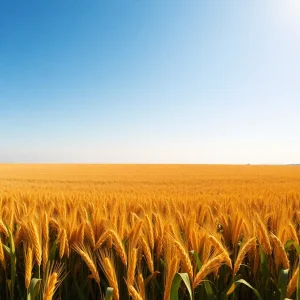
150,81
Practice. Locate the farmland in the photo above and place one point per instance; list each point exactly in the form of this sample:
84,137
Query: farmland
149,232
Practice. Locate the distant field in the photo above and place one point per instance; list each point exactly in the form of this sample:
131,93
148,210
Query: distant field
83,229
187,180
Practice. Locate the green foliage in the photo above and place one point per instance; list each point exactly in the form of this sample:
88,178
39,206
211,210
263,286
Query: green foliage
242,281
109,293
283,281
181,277
33,289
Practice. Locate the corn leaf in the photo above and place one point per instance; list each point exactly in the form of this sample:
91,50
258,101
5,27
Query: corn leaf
207,286
263,264
197,259
32,290
283,281
109,293
176,284
242,281
209,290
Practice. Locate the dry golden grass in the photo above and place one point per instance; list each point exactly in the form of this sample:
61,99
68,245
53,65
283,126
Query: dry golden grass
151,221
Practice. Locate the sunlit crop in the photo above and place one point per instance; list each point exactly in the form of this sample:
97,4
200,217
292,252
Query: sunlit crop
149,232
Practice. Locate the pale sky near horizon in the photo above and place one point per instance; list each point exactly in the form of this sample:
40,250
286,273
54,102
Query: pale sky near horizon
150,81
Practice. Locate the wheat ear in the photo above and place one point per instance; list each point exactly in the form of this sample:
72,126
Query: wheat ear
221,249
28,267
111,277
243,251
133,293
281,255
185,259
209,267
88,260
50,287
171,271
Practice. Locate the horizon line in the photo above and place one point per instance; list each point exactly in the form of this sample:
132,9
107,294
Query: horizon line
145,163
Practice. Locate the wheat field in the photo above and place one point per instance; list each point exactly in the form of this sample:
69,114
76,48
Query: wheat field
149,232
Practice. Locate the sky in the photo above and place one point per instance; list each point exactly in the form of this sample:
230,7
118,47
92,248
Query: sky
156,81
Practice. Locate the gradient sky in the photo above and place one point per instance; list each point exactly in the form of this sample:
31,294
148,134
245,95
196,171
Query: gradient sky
150,81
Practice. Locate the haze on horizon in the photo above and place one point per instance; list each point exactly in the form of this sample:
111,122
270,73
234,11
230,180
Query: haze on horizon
150,81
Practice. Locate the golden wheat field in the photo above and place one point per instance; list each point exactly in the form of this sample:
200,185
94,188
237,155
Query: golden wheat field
149,232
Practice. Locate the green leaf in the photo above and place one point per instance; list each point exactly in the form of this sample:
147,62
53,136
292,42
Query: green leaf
53,251
242,281
12,263
291,243
209,291
176,284
186,280
226,290
6,249
263,264
197,259
109,293
32,290
283,281
207,286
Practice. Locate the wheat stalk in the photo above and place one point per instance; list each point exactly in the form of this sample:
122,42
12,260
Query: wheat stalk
243,251
83,252
185,259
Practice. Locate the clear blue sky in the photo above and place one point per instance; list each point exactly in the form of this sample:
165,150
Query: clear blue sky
150,81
